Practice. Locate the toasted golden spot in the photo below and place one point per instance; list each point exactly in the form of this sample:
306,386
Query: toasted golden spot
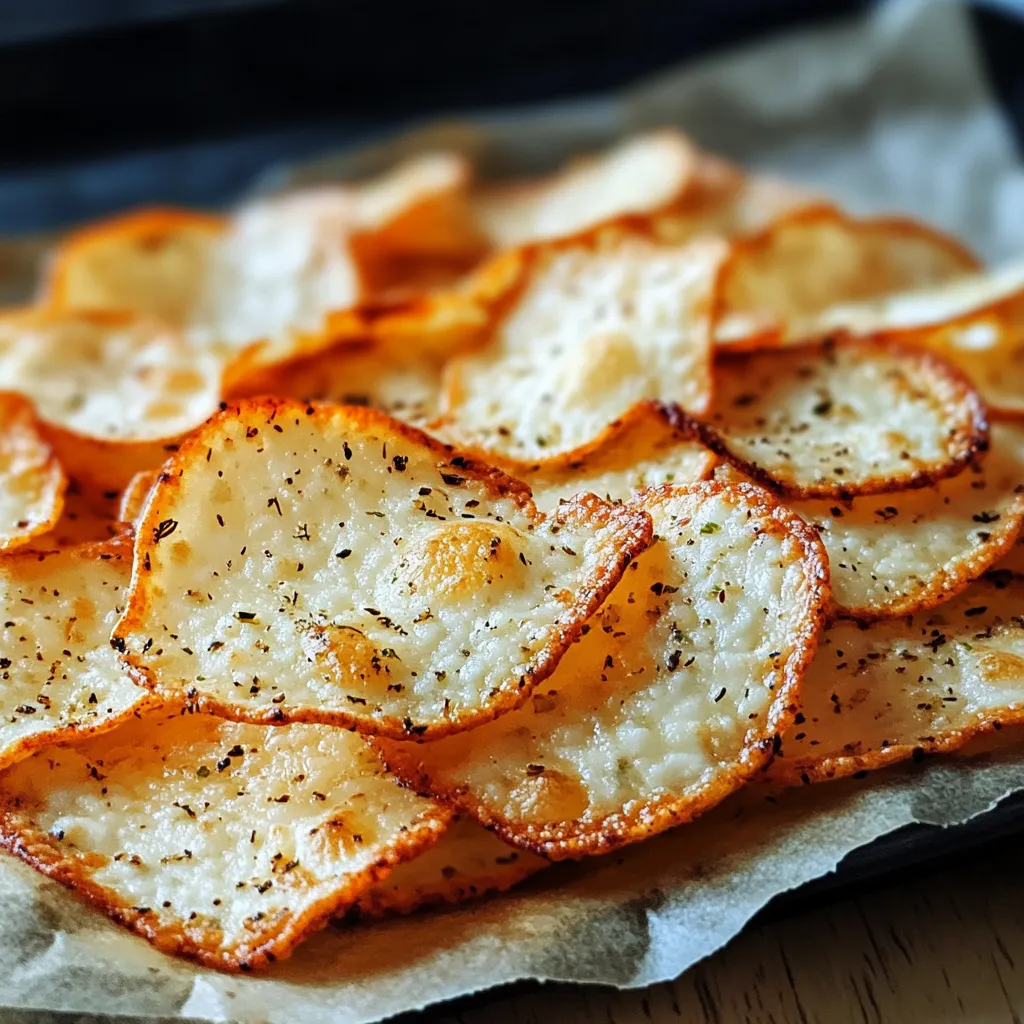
607,360
718,738
463,558
181,552
83,613
220,492
339,834
163,408
546,794
343,652
1001,667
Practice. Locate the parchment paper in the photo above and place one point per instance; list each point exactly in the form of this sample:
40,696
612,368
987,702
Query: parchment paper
888,113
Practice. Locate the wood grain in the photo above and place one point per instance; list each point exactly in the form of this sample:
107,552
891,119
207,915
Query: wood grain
945,946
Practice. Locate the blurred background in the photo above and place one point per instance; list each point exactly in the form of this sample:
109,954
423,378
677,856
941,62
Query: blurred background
106,103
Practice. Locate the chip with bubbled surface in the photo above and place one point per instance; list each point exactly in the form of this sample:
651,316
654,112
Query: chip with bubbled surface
327,563
895,691
596,325
224,842
838,419
673,698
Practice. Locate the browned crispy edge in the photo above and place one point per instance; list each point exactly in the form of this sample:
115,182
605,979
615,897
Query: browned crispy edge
648,413
633,530
135,494
376,903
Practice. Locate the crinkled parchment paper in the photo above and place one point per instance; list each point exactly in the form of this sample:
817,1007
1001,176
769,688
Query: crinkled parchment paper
887,114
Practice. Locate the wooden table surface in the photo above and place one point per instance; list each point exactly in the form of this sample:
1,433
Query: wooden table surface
942,945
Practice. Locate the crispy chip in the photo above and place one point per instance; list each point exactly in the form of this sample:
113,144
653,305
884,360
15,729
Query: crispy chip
282,268
112,392
222,842
644,175
894,554
594,330
838,419
58,674
32,482
672,699
151,262
402,382
976,322
273,273
898,690
776,284
647,447
956,301
466,863
988,347
723,200
330,564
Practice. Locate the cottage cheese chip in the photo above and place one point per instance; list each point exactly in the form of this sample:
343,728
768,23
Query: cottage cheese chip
898,690
673,698
776,284
151,262
327,563
594,329
113,392
894,554
223,842
32,482
644,175
834,419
